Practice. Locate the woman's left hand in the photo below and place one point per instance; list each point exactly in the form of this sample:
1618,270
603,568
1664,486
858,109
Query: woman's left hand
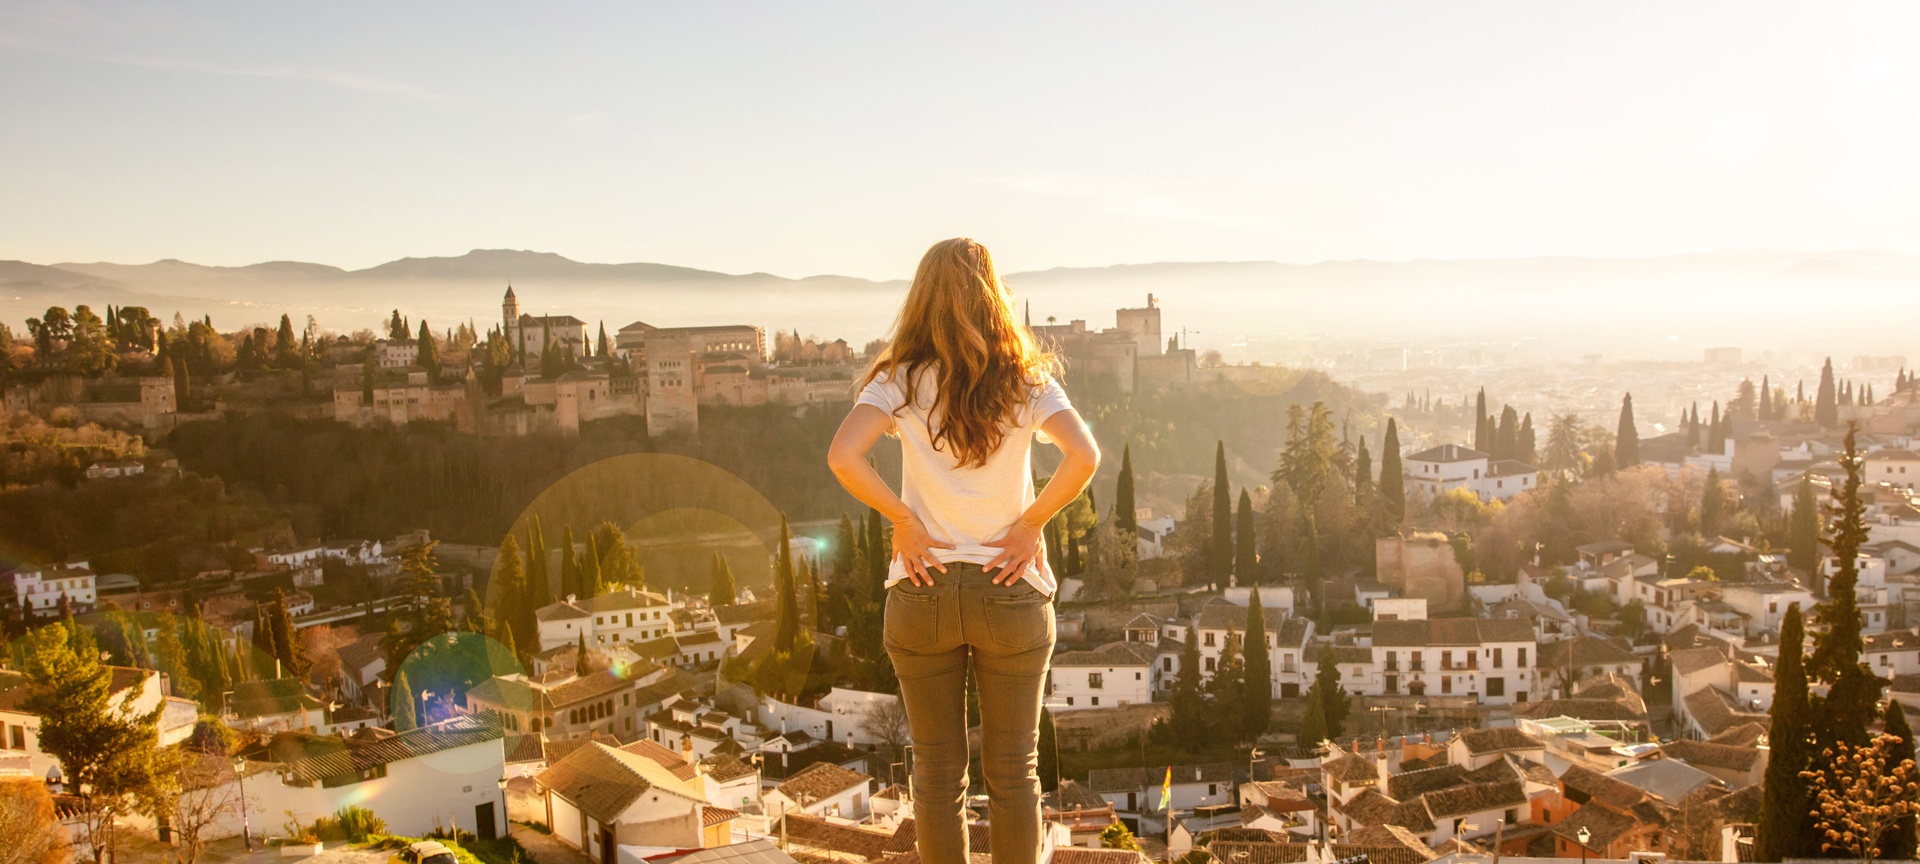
1019,547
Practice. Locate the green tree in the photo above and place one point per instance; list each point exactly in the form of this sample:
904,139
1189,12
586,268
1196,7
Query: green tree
285,349
1713,504
1186,710
508,588
106,748
589,566
405,718
1227,690
1246,564
1363,476
1854,690
787,618
539,588
171,658
421,613
1258,710
723,592
1393,481
1523,441
844,549
569,565
1626,439
1784,820
286,638
1327,697
1220,559
1118,836
1803,530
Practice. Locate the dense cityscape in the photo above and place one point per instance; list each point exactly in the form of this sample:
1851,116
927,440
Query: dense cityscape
549,591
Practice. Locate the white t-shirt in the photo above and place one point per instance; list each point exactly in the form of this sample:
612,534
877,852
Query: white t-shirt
966,506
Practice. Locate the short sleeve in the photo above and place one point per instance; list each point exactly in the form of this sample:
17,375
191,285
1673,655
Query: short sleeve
881,393
1047,400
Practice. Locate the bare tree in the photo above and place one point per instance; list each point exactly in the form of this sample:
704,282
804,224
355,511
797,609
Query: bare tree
207,794
32,830
888,722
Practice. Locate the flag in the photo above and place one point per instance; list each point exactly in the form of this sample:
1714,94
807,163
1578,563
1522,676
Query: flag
1166,789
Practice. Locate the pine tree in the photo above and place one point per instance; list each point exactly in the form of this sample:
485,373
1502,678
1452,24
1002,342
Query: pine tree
1393,481
787,620
1803,531
1221,560
1187,712
1259,684
1126,525
1854,689
1784,815
1713,504
1626,440
723,592
1246,565
1899,842
1826,410
404,717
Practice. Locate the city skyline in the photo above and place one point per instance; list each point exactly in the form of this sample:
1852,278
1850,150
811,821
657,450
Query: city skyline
755,138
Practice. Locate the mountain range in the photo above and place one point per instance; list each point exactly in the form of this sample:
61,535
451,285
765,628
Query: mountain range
1619,304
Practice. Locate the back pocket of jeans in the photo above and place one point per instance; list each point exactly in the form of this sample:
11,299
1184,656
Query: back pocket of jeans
913,620
1019,623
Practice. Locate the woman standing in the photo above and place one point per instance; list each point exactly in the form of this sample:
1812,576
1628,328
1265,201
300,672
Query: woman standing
965,388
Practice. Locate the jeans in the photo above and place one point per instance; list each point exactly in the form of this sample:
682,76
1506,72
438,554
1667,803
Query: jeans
1006,633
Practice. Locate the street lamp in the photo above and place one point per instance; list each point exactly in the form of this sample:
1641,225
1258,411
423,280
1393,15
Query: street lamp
504,819
240,772
1583,835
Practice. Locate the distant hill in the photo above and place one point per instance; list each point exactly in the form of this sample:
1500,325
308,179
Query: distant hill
1611,305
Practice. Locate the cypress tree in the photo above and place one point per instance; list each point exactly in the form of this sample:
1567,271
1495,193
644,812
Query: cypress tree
539,589
1326,698
404,717
1393,481
1481,440
591,585
1228,689
429,355
581,662
1783,829
1507,437
1766,398
1899,842
1245,559
1855,690
1259,687
1221,561
1363,476
1186,711
1126,525
508,588
1803,532
286,640
1626,441
722,591
1310,563
1713,504
787,621
1523,445
879,556
1826,410
1074,565
1054,552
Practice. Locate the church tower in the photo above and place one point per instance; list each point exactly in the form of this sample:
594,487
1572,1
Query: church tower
510,314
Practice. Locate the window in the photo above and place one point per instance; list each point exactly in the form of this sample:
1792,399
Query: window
1095,681
1499,658
1522,661
1166,664
1446,659
1496,686
1136,676
1096,701
1446,683
1069,701
1213,789
1207,640
1210,664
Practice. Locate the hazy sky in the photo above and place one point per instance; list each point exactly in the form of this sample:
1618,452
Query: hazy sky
843,137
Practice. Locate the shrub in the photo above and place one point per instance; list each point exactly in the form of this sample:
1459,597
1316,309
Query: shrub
352,824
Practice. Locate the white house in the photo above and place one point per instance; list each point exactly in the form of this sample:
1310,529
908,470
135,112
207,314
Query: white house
1488,657
614,618
821,789
840,716
1451,466
1137,790
20,730
39,591
1897,468
600,799
1764,604
1113,675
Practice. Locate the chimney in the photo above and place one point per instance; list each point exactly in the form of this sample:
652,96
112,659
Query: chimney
686,749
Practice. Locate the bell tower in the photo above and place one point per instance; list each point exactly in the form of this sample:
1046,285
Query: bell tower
510,316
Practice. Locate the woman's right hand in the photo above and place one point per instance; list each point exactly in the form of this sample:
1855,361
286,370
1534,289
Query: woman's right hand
914,547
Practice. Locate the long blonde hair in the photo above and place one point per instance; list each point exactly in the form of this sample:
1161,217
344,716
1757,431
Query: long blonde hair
959,320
